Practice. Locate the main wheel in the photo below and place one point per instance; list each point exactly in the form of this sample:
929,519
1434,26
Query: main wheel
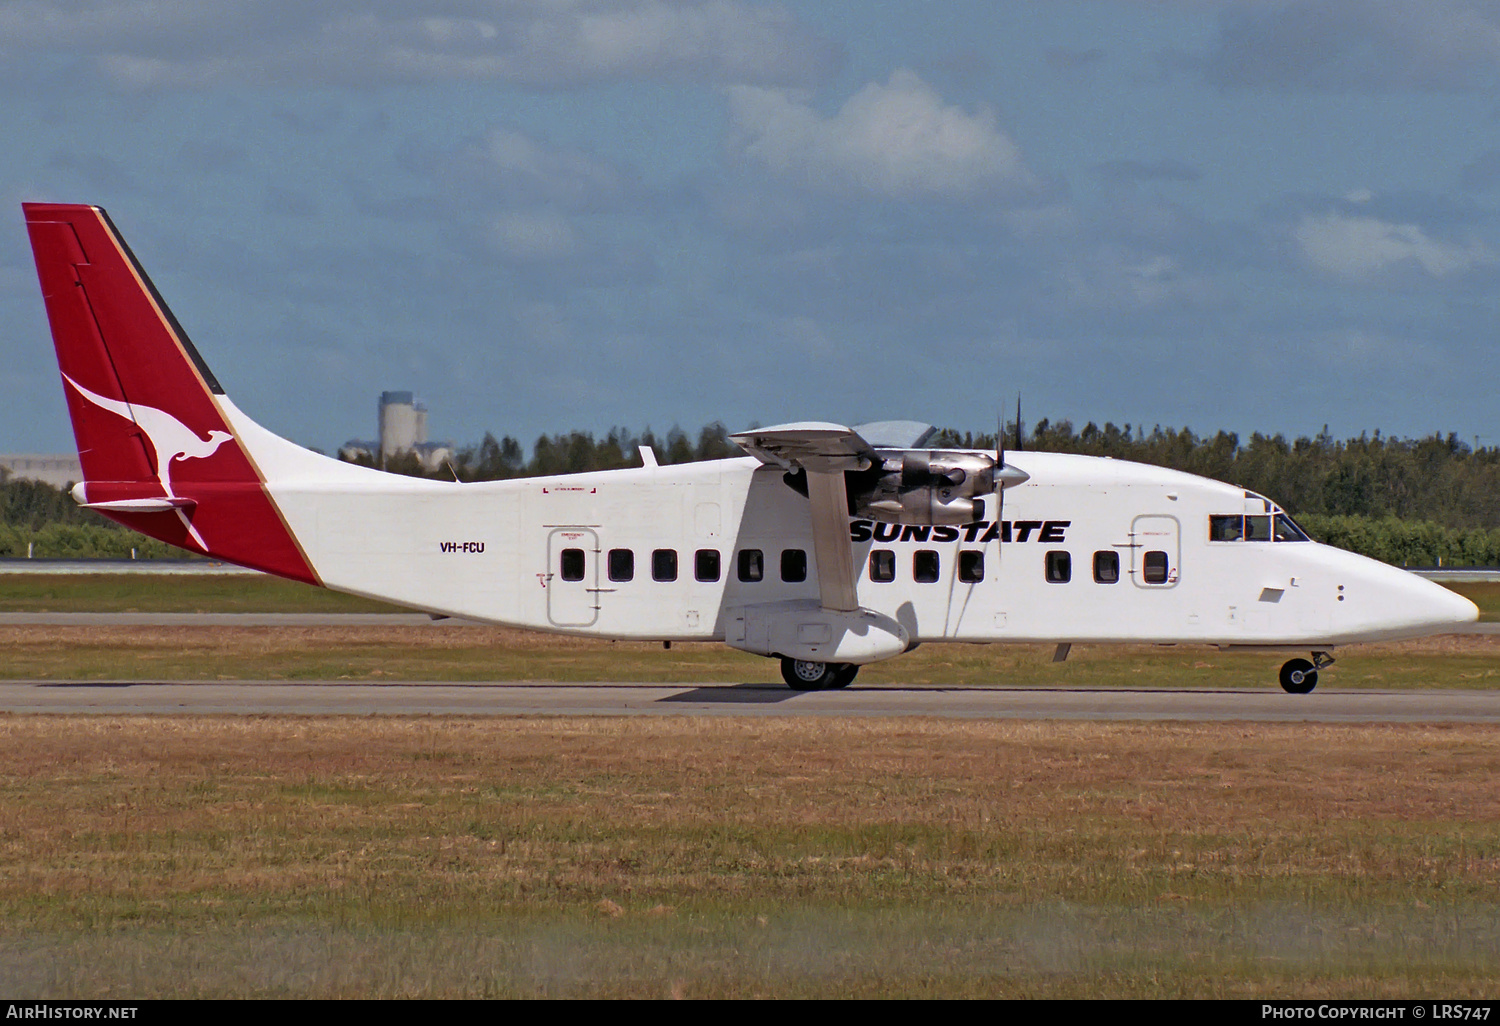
845,675
1298,676
804,675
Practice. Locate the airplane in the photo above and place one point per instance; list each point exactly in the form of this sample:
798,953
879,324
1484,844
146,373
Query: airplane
826,547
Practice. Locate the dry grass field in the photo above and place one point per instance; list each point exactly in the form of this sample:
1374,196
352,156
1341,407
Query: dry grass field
723,858
437,652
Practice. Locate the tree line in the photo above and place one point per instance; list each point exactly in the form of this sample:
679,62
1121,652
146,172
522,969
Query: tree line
44,522
573,452
1412,502
1437,478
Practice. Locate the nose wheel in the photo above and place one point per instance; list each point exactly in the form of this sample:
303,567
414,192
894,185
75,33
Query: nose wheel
1298,676
804,675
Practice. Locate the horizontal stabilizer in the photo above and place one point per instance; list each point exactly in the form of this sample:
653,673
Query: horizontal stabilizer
142,505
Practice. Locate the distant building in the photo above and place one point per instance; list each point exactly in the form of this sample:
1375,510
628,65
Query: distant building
402,424
60,471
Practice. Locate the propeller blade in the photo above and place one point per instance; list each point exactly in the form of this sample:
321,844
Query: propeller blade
1007,476
999,466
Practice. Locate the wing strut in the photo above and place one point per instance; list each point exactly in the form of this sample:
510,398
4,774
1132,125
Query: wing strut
831,546
824,451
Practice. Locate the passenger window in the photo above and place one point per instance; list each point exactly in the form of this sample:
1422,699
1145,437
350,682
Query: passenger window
1258,528
752,565
793,565
1106,568
572,564
1059,567
1226,528
971,566
664,565
706,565
1155,567
621,565
925,567
882,565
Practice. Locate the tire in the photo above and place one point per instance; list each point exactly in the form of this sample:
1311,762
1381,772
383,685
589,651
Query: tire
844,675
804,675
1298,676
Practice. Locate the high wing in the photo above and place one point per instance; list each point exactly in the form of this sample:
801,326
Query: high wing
813,446
825,452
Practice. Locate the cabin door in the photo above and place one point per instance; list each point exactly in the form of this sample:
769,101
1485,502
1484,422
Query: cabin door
572,577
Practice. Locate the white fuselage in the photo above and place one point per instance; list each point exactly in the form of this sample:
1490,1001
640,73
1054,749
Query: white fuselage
548,553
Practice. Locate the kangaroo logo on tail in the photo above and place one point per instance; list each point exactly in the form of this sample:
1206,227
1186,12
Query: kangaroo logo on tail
170,438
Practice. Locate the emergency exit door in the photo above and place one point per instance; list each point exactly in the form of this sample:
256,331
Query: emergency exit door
1155,549
572,577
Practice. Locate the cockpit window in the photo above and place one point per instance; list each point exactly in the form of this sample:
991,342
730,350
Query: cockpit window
1226,528
1286,529
1256,528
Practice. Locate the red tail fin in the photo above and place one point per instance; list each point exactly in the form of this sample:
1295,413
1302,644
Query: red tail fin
157,450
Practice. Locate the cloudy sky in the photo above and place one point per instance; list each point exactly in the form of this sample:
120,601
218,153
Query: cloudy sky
542,215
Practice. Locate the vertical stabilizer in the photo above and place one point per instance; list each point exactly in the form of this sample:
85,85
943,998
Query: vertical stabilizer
157,451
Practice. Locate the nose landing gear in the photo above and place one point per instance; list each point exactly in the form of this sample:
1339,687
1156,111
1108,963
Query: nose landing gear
1298,676
802,675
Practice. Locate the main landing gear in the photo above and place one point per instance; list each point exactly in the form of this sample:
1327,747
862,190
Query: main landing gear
1298,676
802,675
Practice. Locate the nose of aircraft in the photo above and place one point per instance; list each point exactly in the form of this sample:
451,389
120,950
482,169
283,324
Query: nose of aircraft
1433,606
1457,609
1387,602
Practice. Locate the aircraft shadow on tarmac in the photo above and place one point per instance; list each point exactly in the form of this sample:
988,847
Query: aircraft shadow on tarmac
95,684
735,694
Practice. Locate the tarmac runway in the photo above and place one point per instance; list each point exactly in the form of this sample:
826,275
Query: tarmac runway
489,698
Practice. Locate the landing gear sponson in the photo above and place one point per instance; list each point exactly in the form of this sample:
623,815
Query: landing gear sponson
803,675
1298,676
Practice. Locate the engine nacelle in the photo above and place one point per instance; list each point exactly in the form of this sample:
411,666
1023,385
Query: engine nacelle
927,486
922,506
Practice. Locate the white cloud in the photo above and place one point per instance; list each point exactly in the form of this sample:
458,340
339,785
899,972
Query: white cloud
1118,278
895,140
1360,248
525,170
1448,45
1365,352
202,43
532,235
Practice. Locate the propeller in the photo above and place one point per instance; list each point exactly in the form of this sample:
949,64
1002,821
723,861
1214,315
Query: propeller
999,467
1006,477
